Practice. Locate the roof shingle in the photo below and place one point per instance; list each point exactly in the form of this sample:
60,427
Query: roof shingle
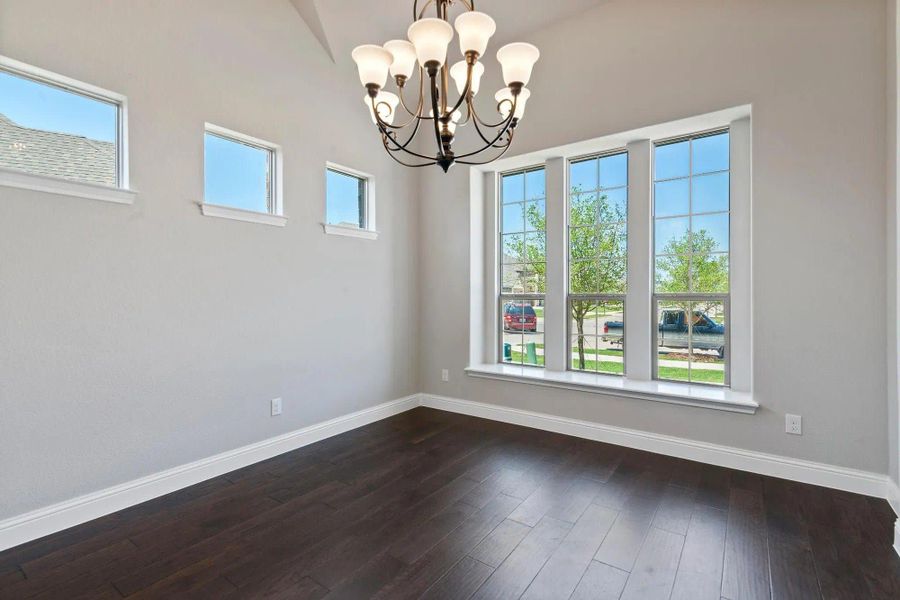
56,154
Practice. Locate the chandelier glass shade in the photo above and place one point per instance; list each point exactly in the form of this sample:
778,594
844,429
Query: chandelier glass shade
425,54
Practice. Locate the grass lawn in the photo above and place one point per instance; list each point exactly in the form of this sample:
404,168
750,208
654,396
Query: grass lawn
669,373
519,357
617,368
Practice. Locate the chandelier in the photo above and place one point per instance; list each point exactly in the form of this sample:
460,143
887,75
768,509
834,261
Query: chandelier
433,110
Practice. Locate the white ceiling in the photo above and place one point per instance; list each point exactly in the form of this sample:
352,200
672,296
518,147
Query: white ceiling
343,24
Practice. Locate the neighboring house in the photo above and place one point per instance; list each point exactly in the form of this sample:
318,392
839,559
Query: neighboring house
56,154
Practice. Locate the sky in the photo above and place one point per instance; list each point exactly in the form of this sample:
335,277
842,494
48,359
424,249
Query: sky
342,192
235,174
40,106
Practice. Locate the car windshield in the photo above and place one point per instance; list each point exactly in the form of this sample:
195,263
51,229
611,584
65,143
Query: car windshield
515,309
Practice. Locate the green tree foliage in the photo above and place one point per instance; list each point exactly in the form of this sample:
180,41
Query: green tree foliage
691,266
597,255
598,263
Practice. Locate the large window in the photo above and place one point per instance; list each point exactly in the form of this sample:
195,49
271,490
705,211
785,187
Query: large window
691,211
55,127
239,172
523,266
598,261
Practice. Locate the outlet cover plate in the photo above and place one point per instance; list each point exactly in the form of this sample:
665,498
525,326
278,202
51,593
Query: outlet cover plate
276,407
793,424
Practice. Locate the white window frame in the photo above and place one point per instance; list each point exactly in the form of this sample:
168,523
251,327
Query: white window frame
121,193
690,297
598,297
504,297
638,382
275,214
369,232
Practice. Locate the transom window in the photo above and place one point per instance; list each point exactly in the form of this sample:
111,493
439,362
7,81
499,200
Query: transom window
691,210
346,199
55,127
598,262
523,266
239,172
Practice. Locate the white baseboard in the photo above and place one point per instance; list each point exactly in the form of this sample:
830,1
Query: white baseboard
30,526
893,498
851,480
897,536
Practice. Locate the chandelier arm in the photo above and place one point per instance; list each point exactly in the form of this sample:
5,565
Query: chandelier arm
496,139
413,118
434,119
465,93
485,162
499,104
406,164
412,136
378,120
418,113
385,137
481,134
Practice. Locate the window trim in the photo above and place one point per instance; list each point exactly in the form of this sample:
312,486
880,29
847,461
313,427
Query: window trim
690,296
600,297
484,208
275,215
121,193
369,232
498,263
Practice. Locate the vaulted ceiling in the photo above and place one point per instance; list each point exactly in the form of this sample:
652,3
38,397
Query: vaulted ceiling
340,25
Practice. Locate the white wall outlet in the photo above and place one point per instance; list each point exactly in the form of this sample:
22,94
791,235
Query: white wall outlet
793,424
276,407
445,375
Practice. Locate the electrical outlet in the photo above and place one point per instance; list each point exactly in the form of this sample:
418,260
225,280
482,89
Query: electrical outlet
793,424
276,407
445,375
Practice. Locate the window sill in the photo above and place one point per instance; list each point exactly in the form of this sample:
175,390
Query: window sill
64,187
659,391
238,214
366,234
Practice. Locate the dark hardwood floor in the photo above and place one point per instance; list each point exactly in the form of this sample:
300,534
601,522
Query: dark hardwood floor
435,505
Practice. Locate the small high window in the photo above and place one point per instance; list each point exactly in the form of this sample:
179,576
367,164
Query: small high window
52,126
346,199
239,172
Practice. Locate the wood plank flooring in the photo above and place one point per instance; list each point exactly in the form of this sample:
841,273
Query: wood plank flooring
430,504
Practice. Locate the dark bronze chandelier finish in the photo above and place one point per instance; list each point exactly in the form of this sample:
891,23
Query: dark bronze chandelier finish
437,112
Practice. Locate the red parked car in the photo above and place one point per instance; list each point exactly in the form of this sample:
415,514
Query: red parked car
517,317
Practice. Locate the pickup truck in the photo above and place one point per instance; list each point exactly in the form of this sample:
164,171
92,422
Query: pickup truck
673,331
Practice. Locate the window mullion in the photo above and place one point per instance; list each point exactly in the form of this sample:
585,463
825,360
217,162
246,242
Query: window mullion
556,309
638,333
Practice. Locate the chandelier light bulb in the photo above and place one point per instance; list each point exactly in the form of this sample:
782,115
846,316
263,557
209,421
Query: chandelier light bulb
404,55
435,104
459,71
385,112
431,38
504,107
373,63
517,61
475,29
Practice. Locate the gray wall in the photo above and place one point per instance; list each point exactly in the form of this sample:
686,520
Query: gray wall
133,339
137,338
814,72
893,250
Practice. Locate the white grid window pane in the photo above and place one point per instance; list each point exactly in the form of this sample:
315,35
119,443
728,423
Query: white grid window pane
522,265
